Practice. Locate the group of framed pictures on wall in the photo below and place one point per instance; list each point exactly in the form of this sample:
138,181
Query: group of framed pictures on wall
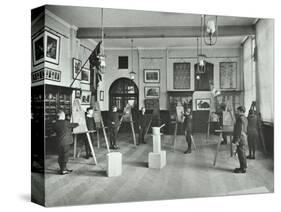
45,48
84,75
151,76
84,95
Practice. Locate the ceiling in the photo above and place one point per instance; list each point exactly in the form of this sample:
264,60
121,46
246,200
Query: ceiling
91,17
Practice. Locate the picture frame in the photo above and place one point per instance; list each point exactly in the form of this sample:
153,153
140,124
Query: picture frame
228,75
151,92
76,66
85,97
85,76
46,74
181,75
151,75
203,104
46,48
101,95
78,93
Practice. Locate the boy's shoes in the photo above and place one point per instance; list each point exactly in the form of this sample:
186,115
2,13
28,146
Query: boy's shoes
116,146
66,171
223,142
239,171
111,147
188,151
251,157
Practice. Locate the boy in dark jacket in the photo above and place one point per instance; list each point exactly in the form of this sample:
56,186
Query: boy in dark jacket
63,130
240,139
142,126
113,123
91,126
187,127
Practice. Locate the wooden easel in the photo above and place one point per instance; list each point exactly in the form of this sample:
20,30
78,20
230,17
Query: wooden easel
261,136
78,116
127,113
227,129
100,125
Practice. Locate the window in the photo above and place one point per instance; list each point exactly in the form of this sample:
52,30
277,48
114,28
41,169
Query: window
123,62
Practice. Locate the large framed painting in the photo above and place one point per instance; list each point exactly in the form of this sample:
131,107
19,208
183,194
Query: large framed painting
86,97
181,75
85,76
46,48
76,66
151,92
203,104
228,75
151,75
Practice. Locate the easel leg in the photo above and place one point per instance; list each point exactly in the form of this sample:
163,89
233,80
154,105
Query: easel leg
231,150
105,137
175,136
98,138
75,145
92,148
218,149
133,131
192,140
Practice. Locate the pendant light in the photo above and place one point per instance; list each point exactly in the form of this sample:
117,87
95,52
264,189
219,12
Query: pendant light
132,73
210,31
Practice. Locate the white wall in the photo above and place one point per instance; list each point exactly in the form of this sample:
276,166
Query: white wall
265,67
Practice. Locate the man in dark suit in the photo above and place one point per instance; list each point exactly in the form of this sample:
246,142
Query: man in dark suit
63,129
142,126
240,139
113,123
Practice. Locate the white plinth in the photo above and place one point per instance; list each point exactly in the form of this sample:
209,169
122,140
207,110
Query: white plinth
157,160
114,164
156,143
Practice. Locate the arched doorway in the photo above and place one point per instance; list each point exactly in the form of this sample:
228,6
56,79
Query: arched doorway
123,91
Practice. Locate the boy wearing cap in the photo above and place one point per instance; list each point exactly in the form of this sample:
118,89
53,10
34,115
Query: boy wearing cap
187,127
63,129
240,139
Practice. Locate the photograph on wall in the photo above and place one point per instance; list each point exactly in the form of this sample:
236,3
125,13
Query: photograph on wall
140,161
181,75
203,104
228,75
76,66
151,92
85,76
151,75
86,97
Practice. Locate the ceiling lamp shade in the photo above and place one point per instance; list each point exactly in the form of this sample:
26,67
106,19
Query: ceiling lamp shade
210,31
132,73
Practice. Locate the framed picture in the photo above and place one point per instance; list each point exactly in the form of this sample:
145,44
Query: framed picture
181,75
46,73
101,95
85,76
228,75
203,104
38,49
151,75
85,97
78,93
151,92
46,48
76,65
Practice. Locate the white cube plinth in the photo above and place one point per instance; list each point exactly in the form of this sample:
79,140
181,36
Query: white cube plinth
156,143
157,160
114,164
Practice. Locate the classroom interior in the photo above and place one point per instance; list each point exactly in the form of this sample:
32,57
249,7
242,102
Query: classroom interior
151,60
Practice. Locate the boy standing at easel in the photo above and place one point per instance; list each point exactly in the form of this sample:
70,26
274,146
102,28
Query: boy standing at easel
142,126
187,126
113,127
253,134
240,139
63,129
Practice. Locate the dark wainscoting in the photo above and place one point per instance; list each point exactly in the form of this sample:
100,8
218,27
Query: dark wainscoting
268,132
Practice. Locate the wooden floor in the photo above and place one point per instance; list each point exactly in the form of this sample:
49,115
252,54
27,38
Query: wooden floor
185,176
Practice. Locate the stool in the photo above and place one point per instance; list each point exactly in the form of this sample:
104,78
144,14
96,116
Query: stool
114,164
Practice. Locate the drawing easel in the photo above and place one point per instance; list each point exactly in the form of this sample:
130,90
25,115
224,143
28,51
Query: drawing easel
227,129
127,117
261,136
78,116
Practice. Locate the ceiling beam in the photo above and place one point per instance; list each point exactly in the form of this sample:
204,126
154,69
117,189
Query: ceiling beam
159,32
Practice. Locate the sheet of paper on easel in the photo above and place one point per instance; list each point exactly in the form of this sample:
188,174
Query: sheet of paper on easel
97,115
180,111
127,113
227,118
78,116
